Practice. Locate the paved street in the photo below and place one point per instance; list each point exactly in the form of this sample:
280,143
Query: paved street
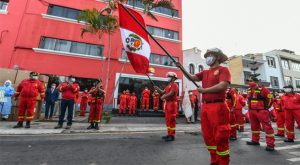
134,148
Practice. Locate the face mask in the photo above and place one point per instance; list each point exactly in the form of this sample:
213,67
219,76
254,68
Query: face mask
85,91
252,84
35,77
287,90
210,60
7,84
53,86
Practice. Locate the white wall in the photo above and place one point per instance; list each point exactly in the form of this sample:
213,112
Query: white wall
271,71
192,56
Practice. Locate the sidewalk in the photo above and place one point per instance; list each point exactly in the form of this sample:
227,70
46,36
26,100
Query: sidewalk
117,125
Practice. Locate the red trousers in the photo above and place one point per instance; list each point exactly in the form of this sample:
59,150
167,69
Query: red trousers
26,109
155,103
240,119
216,131
280,119
290,117
145,103
258,118
96,111
170,116
232,123
122,108
132,108
83,106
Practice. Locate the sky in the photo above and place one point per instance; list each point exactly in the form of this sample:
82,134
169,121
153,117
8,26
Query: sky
240,27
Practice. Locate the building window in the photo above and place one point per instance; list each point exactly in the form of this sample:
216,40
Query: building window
288,80
297,83
71,47
192,68
163,33
155,59
295,66
285,64
3,5
200,68
162,10
246,76
274,82
64,12
271,62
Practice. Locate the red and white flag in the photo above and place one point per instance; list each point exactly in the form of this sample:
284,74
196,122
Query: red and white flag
135,40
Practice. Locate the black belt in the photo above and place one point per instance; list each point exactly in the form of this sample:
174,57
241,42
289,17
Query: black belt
213,101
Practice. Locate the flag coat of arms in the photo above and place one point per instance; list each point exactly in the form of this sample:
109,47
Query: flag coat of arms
135,40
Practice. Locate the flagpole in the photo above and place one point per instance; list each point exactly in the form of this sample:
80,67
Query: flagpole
151,80
168,54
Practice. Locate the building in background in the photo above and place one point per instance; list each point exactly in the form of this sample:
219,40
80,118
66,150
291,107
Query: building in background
193,63
44,36
290,66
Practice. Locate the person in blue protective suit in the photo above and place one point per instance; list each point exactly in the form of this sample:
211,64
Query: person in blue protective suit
5,106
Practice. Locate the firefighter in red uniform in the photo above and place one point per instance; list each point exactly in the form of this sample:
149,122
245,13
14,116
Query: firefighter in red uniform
231,100
215,112
280,115
84,101
28,90
170,96
145,99
69,90
259,101
96,105
291,105
123,103
155,100
240,103
132,104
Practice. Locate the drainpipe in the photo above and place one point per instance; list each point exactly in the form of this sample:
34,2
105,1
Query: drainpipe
281,69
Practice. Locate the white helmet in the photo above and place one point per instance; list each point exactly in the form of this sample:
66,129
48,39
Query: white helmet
172,74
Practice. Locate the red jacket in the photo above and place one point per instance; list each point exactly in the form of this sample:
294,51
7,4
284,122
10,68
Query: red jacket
85,97
156,95
68,91
133,100
259,98
231,98
241,102
290,101
29,88
123,99
146,93
277,104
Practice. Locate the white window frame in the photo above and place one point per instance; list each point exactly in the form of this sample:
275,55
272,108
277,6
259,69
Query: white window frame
4,11
269,60
297,79
189,68
290,80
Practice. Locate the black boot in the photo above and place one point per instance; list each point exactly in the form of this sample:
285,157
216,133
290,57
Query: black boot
27,124
279,135
270,148
96,126
170,138
91,126
19,125
214,164
287,140
165,137
233,138
253,143
58,126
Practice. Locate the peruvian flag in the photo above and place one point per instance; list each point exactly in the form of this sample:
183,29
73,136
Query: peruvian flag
135,40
